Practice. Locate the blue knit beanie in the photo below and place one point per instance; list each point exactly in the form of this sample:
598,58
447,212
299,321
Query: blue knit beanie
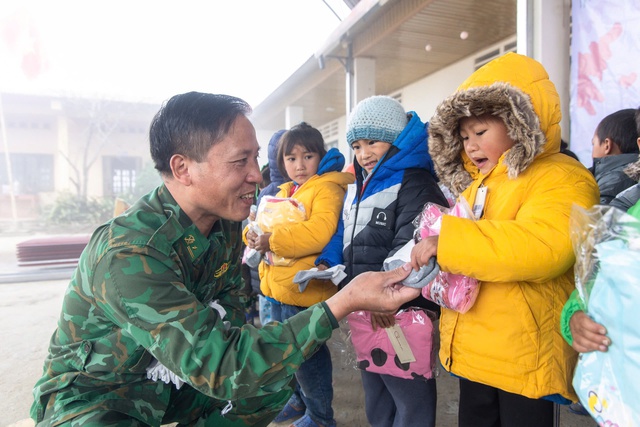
377,118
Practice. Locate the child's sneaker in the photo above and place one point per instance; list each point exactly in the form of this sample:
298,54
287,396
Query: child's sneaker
288,413
306,421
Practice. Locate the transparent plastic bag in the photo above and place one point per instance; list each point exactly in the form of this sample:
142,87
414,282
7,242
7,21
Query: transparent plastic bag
252,257
452,291
274,212
590,227
606,242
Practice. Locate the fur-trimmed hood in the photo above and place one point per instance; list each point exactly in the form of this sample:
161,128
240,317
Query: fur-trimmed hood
518,90
633,170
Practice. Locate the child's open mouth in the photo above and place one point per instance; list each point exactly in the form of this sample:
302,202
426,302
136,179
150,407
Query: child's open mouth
370,165
480,162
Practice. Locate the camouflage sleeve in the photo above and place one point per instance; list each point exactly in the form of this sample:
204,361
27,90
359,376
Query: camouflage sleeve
147,299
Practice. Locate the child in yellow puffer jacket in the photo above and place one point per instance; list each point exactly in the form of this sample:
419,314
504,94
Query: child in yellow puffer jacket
319,186
496,143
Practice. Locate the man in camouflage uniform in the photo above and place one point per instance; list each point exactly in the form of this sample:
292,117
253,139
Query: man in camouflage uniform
151,329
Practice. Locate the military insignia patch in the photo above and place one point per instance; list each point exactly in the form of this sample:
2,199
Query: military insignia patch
194,245
223,269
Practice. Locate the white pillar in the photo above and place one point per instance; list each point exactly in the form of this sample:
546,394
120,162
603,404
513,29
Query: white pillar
63,172
293,116
543,34
364,79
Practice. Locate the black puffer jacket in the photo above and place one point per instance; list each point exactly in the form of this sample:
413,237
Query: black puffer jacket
378,214
610,176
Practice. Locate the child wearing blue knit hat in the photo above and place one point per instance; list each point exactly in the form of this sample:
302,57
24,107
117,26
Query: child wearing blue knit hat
378,118
394,180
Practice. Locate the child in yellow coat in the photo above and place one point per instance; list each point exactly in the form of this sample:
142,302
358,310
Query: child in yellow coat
317,183
496,142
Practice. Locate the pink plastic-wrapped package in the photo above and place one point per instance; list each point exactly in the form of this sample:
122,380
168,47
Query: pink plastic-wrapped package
452,291
376,353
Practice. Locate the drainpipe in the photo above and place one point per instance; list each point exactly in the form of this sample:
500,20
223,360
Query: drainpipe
348,68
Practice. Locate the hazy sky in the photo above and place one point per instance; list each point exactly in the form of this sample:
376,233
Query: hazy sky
143,50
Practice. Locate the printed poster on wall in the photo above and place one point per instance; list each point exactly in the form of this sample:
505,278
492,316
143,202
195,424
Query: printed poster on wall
605,76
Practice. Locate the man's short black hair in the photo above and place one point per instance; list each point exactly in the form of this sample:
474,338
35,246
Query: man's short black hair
190,124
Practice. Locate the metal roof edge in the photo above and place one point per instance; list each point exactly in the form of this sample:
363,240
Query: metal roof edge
310,73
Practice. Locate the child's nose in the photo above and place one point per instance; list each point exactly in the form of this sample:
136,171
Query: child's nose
471,145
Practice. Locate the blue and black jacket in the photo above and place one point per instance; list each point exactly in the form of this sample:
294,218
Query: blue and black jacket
378,214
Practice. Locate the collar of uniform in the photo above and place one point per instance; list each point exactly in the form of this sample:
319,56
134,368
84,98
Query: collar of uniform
171,207
195,243
185,230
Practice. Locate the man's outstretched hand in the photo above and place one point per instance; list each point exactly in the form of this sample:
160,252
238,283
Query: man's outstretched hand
379,291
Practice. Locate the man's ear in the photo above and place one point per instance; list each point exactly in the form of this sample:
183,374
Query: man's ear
638,142
180,168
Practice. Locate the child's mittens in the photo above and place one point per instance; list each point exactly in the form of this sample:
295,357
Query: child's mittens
416,279
336,274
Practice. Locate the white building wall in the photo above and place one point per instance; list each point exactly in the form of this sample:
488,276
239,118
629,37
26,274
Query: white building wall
423,96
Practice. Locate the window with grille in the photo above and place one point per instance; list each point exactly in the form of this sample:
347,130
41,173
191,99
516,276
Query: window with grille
31,173
120,174
493,54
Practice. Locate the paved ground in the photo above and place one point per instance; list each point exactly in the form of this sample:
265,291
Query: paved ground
28,315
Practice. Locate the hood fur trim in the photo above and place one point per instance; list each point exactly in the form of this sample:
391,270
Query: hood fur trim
500,99
633,170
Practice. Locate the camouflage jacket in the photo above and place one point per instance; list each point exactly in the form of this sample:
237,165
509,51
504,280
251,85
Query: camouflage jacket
141,291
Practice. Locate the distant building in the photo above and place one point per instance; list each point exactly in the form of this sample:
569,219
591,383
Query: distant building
90,147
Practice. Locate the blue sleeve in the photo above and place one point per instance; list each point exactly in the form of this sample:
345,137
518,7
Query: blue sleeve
332,253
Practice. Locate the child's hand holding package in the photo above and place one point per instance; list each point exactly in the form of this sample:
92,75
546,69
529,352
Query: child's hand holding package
452,291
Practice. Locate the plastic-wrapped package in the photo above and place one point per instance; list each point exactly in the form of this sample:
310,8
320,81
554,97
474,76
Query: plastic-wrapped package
274,212
406,350
606,242
250,256
452,291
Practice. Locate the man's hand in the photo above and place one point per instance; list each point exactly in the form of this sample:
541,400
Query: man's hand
587,334
423,251
378,291
382,320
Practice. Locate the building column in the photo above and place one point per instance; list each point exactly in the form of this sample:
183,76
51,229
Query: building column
293,116
364,84
62,168
543,30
